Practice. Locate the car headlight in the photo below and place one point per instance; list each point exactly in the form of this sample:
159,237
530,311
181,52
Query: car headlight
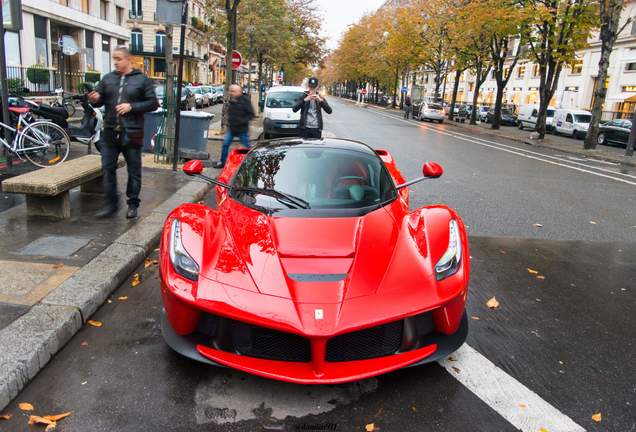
181,260
449,263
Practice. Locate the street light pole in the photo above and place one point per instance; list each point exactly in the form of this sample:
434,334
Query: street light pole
177,116
4,88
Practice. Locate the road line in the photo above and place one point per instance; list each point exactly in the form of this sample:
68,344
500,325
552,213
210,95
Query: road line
519,405
517,151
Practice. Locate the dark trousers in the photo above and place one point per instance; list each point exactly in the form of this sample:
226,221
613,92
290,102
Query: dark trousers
110,150
311,133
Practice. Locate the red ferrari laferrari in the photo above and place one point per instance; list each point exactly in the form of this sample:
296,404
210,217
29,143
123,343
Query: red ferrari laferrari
311,268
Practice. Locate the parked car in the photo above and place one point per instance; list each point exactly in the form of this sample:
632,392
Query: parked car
220,92
278,117
572,122
210,93
615,132
188,100
481,113
431,112
507,117
200,96
528,114
160,91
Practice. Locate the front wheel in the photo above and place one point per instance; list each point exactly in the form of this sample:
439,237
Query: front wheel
601,139
520,125
44,144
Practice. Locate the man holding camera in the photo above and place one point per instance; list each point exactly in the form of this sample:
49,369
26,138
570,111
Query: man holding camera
311,107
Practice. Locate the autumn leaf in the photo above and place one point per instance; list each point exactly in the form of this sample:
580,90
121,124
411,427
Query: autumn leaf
57,266
543,430
493,303
475,317
370,427
84,343
533,271
597,417
147,262
593,222
456,369
25,406
94,323
540,277
58,417
6,416
122,298
521,405
537,225
136,280
40,420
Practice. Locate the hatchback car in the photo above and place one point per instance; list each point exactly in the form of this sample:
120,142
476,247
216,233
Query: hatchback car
432,112
507,117
615,132
200,96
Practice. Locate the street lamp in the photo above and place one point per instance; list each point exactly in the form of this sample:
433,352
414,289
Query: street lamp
250,32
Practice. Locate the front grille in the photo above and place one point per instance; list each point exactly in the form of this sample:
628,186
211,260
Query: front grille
262,342
369,343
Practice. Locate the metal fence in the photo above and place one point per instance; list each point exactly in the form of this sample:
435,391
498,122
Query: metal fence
40,80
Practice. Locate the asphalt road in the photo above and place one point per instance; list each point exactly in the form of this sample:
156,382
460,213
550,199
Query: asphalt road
565,339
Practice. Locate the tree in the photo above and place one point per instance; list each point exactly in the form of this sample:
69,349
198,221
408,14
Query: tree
556,30
609,15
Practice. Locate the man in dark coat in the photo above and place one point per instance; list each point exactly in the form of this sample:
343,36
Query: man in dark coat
240,112
127,95
311,107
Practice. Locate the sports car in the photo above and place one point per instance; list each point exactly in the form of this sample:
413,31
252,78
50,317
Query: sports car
311,268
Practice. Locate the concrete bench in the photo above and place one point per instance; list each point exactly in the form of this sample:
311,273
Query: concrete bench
47,190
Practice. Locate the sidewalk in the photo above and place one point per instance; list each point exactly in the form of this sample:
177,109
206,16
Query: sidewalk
55,274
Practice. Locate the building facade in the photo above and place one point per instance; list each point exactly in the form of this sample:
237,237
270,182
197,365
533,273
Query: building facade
90,29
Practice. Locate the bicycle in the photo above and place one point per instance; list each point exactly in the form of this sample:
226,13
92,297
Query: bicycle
43,143
67,102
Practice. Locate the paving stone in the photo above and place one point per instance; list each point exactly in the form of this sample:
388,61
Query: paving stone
55,246
145,233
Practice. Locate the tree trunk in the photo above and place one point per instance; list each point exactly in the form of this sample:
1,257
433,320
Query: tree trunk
496,121
395,87
451,111
473,111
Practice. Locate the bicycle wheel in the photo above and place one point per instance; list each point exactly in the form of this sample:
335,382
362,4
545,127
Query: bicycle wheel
44,144
70,107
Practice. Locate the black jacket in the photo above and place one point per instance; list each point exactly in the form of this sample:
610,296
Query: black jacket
138,91
304,107
240,112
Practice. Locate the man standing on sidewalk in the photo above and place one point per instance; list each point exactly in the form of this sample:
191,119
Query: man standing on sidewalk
311,107
126,94
408,107
240,112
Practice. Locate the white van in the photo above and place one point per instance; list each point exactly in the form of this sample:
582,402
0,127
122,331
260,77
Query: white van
528,117
572,122
278,117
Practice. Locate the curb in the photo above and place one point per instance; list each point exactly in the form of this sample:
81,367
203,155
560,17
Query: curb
29,342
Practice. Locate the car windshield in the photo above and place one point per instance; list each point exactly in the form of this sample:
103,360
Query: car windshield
506,112
196,90
283,99
159,91
550,113
435,106
582,118
309,177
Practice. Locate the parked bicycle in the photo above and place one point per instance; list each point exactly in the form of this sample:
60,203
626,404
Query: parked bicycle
67,102
42,143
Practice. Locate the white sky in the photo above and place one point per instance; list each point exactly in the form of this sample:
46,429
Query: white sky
338,14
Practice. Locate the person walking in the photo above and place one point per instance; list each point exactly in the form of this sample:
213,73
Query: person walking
311,107
126,94
408,107
240,112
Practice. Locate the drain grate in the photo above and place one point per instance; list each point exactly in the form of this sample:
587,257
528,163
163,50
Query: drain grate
55,246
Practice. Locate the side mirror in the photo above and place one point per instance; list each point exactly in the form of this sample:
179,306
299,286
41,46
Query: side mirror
193,167
432,170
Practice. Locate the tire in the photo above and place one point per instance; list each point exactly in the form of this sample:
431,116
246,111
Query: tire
441,121
70,108
266,136
575,135
520,125
54,140
601,139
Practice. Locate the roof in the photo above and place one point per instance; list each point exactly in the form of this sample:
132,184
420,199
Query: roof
324,143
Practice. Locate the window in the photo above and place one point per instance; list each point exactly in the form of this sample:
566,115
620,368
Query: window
576,67
568,118
633,32
103,10
160,42
90,51
64,2
105,53
535,70
41,45
12,47
135,9
119,12
630,66
136,40
85,6
521,71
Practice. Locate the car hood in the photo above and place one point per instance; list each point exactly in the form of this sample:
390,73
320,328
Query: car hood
282,114
309,260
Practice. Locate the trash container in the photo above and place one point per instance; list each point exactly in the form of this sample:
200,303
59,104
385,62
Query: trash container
193,135
152,121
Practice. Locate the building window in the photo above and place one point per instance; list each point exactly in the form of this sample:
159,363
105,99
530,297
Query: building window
85,6
506,73
521,71
135,9
630,66
12,48
160,42
535,70
64,2
103,10
572,89
90,50
136,40
629,88
576,67
633,32
41,45
119,11
105,53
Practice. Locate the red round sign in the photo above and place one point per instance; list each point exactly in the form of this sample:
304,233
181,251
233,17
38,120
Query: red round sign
237,59
364,91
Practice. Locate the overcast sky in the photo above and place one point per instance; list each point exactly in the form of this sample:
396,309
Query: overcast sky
338,14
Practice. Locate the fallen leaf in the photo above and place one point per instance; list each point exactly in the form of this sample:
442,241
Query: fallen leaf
597,417
155,262
57,266
25,406
451,358
58,417
109,301
136,280
84,343
370,427
523,405
537,225
540,277
503,252
475,317
456,369
593,222
94,323
492,303
40,420
147,263
543,430
533,271
157,250
50,427
413,408
122,298
6,416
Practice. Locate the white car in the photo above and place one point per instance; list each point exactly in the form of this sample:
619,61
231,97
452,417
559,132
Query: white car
528,117
200,96
572,122
432,112
278,117
210,92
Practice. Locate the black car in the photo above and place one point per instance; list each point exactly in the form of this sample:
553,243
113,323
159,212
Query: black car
507,117
615,132
188,100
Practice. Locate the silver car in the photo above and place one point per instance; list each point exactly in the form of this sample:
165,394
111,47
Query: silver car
432,112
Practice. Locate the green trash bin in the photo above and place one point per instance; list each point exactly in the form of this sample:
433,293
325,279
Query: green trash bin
193,134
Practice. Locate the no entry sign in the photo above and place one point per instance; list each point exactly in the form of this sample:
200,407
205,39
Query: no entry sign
364,91
237,59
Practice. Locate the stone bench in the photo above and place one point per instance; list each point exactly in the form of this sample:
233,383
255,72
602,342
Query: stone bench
47,190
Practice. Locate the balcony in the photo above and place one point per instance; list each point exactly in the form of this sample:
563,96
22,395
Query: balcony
160,49
136,48
135,15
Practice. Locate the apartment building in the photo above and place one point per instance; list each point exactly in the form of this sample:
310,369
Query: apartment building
92,27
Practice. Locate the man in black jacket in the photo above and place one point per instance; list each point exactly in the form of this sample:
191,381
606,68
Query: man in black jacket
240,112
126,94
311,107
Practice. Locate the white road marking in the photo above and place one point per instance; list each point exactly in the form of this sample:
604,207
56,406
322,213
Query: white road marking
520,152
520,406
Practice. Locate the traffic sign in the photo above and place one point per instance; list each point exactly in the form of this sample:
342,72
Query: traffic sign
404,90
237,59
364,91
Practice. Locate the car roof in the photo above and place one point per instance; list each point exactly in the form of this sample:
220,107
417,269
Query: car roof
286,89
336,143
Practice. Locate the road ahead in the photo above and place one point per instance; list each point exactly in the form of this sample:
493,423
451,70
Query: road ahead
558,350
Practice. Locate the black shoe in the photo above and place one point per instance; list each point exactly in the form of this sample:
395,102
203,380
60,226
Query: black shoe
107,212
131,213
218,165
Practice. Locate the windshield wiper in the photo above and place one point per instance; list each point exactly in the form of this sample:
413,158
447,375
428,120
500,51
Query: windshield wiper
296,201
